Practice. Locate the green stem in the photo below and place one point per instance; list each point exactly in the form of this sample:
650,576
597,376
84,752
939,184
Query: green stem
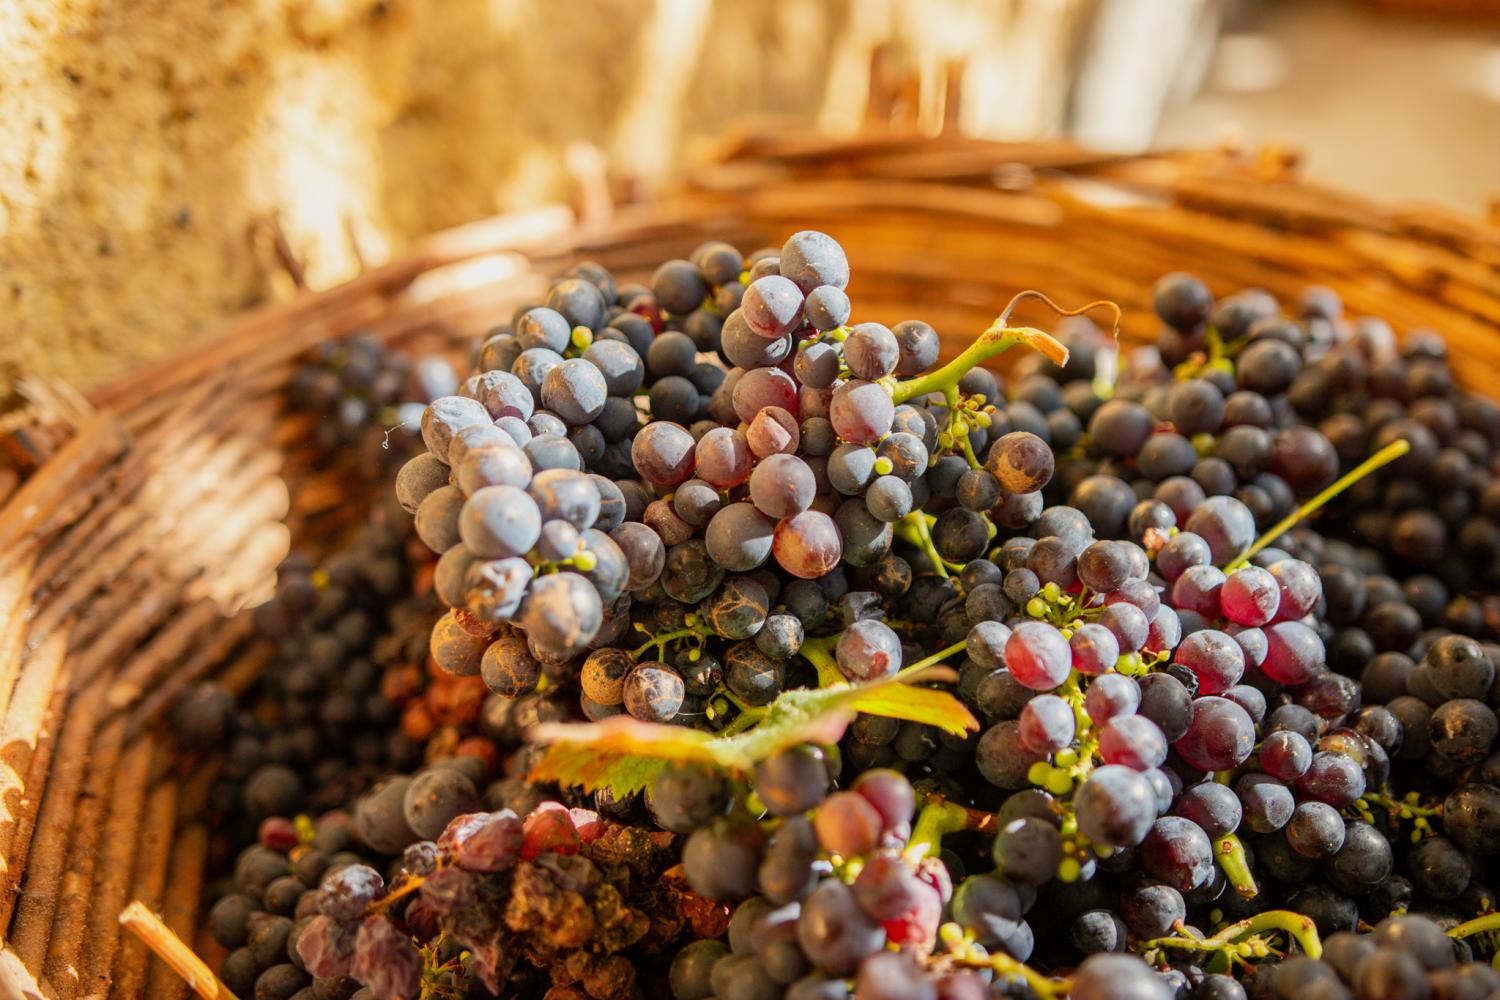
1383,457
815,651
937,819
933,660
915,523
1294,925
747,719
1479,925
996,340
1229,852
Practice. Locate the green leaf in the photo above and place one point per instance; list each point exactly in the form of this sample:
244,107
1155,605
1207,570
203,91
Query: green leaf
625,754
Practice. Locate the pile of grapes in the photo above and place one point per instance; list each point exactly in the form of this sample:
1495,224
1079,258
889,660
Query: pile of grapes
796,665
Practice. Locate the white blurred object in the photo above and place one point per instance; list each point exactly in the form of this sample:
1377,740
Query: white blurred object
1139,54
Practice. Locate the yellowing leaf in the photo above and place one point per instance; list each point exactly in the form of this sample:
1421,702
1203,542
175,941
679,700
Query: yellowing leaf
615,753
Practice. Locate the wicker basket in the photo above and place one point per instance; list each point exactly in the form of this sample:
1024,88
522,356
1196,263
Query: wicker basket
153,512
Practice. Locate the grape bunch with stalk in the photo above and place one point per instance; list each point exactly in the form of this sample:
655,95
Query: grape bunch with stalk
904,668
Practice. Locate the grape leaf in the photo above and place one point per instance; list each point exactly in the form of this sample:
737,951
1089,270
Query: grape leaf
625,754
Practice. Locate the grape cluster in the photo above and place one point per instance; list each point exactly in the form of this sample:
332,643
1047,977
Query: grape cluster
368,400
1223,607
317,726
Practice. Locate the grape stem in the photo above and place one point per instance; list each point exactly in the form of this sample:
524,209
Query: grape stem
1294,925
914,528
1381,458
141,921
963,953
999,338
908,674
937,819
1479,925
1229,852
815,651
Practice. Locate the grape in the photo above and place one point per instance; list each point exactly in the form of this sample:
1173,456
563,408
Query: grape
1177,852
827,308
686,796
575,390
1213,807
868,650
1111,695
1285,755
653,692
834,932
439,516
1294,653
663,453
1126,622
761,388
1225,524
1152,911
861,412
1332,778
888,499
1220,736
1028,850
773,431
720,860
1115,806
791,781
787,871
1214,658
1038,656
1109,976
689,975
1166,702
509,669
1299,585
871,351
782,486
807,545
1001,757
919,345
580,302
562,494
772,305
739,537
811,258
745,348
445,417
1315,830
1198,589
1250,596
1047,724
561,613
851,468
644,553
1134,741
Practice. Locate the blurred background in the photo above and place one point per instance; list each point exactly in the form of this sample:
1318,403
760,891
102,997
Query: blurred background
161,161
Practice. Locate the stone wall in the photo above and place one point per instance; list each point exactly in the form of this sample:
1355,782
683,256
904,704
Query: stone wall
144,142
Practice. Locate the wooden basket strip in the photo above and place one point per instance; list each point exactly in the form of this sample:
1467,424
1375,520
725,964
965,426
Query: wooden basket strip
148,885
171,645
206,653
180,906
85,842
30,516
112,875
178,445
140,599
27,740
15,610
36,899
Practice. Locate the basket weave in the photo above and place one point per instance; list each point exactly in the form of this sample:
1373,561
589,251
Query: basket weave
157,508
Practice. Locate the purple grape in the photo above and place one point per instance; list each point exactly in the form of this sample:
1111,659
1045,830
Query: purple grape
1037,655
1221,735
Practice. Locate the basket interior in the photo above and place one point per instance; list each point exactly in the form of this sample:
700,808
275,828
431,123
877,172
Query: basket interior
158,510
